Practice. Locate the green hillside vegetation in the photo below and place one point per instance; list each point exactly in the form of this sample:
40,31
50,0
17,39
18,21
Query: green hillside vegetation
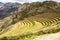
32,21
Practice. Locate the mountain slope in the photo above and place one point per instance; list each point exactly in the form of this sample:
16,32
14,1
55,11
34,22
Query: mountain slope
32,21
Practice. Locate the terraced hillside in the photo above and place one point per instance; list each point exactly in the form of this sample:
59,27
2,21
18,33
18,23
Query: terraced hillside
30,29
40,22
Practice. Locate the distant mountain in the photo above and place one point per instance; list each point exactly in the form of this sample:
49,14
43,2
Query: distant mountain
1,4
7,8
